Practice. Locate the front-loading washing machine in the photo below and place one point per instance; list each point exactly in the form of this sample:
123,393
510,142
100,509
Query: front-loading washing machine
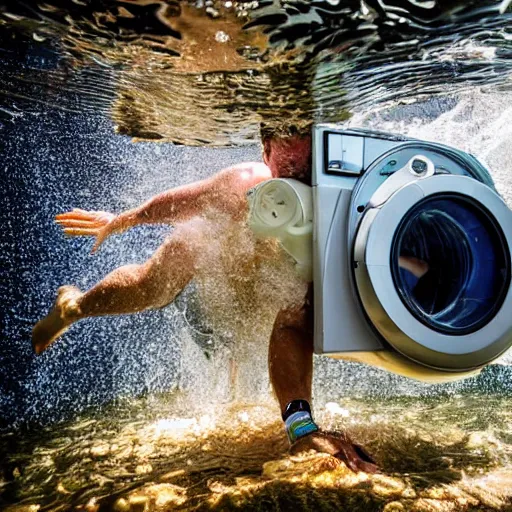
408,245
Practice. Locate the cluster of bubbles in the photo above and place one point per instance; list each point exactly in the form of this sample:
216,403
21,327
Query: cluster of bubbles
210,344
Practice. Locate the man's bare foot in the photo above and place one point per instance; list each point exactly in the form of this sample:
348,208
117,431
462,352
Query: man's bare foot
58,320
338,445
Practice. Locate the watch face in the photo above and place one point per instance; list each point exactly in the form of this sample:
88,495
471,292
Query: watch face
451,264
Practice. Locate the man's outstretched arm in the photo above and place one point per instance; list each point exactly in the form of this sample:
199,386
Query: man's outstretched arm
291,373
223,192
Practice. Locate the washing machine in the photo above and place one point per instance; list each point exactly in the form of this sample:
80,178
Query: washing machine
408,245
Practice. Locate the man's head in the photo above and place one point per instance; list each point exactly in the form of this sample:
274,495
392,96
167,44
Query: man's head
288,155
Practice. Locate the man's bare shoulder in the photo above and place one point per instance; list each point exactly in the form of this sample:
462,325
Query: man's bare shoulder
227,189
246,175
251,172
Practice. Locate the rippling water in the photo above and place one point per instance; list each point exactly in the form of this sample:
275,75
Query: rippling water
208,73
211,71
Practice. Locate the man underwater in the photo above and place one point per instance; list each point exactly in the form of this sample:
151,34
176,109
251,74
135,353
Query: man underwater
157,282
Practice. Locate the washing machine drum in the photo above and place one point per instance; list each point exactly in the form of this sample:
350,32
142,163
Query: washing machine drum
432,268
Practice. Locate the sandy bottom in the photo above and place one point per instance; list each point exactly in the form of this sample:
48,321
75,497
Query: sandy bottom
449,454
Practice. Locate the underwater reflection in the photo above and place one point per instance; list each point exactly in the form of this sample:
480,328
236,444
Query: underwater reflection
153,454
208,72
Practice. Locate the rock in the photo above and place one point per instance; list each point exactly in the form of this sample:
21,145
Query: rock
143,469
100,450
121,505
394,506
138,503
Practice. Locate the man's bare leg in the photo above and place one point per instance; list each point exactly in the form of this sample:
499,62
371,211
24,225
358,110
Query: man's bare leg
291,372
128,289
291,356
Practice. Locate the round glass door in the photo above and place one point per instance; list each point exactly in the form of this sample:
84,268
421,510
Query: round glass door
450,264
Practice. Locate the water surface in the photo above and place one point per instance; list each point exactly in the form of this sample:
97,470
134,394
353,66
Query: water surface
209,72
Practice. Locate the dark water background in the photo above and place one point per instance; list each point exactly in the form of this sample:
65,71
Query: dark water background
133,413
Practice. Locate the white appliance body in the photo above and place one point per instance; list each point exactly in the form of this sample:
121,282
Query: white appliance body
409,248
371,194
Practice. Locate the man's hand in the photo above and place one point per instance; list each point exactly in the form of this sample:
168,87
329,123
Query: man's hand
340,446
83,223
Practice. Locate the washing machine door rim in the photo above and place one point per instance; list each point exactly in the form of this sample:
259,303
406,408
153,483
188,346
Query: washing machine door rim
382,302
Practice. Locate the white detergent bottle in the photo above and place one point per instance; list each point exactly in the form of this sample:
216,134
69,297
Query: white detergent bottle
283,208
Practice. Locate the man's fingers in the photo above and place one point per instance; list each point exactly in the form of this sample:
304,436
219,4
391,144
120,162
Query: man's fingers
340,446
348,458
81,231
77,214
363,454
367,467
349,455
358,464
97,244
74,223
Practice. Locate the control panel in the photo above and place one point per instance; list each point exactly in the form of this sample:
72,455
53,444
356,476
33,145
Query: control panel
344,154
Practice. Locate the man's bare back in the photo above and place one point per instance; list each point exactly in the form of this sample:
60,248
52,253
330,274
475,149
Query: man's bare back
155,283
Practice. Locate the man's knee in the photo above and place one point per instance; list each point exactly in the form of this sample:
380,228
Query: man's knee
173,265
190,237
180,248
